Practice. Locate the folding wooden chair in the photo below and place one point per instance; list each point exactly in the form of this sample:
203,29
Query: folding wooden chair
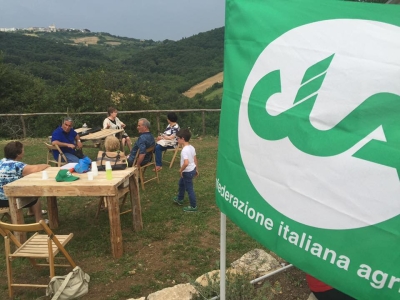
143,168
62,160
39,246
175,151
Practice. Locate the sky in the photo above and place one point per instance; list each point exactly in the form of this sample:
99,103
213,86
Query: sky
142,19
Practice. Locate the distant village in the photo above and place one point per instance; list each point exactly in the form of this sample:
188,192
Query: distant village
51,28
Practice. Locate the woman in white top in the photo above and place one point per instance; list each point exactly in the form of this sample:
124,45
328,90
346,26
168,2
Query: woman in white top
169,135
114,123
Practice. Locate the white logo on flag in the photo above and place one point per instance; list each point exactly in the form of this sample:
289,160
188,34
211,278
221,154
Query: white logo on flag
335,192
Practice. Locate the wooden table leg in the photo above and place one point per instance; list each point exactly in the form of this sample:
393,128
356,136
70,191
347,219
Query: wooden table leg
17,217
52,211
115,225
135,202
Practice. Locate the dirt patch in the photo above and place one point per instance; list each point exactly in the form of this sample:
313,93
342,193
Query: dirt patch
113,43
292,283
89,40
204,85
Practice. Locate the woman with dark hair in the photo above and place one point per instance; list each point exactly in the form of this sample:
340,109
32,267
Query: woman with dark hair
11,169
114,123
167,140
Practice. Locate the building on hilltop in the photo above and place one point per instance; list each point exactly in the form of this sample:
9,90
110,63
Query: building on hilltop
52,28
8,29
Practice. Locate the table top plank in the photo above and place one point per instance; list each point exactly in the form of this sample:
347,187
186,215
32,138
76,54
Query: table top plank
33,184
80,130
100,134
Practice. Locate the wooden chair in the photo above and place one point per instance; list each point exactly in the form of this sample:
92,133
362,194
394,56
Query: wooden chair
143,168
175,151
122,193
39,246
62,160
5,212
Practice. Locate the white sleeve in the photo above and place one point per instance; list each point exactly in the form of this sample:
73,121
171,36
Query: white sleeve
106,122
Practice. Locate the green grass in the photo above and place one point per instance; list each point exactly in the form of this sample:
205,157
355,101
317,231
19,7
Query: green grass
171,243
213,94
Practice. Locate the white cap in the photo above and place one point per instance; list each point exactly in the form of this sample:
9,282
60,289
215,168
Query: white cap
108,165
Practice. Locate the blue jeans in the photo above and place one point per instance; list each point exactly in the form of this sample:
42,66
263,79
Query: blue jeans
158,151
71,158
186,183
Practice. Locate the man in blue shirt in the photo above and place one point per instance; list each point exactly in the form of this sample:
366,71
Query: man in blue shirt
67,139
145,141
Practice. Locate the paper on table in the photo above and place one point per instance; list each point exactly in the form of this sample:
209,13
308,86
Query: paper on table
68,166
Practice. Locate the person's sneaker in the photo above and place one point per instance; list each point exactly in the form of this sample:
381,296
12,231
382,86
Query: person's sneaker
190,209
177,201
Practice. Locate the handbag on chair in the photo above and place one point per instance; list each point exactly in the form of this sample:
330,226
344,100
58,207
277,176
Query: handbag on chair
117,160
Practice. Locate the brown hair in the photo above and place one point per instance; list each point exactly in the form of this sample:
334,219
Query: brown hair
13,149
111,143
184,134
111,110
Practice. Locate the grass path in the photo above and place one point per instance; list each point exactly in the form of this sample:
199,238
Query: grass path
204,85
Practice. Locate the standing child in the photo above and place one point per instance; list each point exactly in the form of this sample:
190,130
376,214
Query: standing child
188,171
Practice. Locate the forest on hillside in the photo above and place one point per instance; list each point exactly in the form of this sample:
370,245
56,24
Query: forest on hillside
48,72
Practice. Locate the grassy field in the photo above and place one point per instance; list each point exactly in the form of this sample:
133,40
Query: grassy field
172,247
213,94
172,244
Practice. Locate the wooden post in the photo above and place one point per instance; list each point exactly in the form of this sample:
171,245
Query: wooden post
23,126
115,225
52,212
204,122
158,123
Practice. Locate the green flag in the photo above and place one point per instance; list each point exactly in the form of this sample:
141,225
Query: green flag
309,154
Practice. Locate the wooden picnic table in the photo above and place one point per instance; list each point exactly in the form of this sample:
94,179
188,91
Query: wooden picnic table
80,130
34,186
100,135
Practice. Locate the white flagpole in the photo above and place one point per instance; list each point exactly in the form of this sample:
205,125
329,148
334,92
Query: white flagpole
222,270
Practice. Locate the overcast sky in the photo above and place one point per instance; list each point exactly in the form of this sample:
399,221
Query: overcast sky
142,19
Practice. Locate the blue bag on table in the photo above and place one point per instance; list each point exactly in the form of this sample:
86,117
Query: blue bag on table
83,165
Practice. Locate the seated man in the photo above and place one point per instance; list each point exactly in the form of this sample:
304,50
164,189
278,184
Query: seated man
145,141
11,169
67,139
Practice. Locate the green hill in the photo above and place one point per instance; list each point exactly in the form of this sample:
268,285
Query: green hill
79,72
174,65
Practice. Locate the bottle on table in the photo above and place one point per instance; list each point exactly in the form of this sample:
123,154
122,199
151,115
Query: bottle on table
108,171
85,127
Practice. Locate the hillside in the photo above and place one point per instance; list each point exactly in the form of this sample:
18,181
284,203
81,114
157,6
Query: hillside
204,85
79,72
173,65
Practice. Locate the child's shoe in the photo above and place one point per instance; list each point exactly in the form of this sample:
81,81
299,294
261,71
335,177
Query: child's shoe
177,201
190,209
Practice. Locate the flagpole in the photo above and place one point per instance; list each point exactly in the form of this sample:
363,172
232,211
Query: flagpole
222,270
